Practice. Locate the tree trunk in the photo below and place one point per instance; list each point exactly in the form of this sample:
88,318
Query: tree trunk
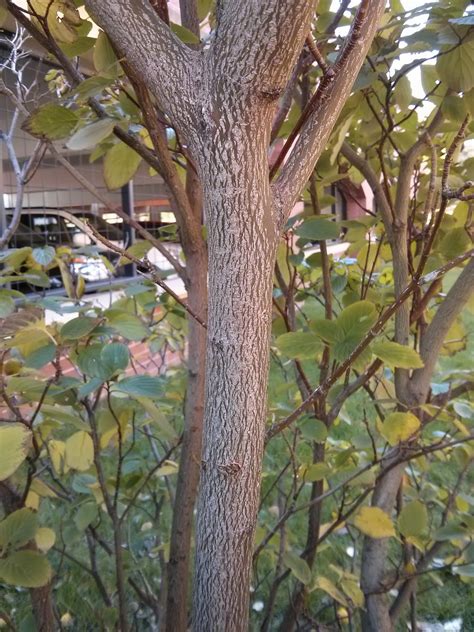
376,616
43,612
190,462
242,242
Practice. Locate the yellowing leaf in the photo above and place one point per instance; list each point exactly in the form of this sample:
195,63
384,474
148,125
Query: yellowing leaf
399,427
120,165
374,522
413,519
299,345
323,583
397,355
18,528
29,569
57,451
298,566
79,451
32,501
40,488
15,441
45,539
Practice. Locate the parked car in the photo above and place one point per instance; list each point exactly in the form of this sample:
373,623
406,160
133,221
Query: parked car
57,227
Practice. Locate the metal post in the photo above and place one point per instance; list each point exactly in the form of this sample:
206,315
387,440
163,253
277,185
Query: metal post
128,231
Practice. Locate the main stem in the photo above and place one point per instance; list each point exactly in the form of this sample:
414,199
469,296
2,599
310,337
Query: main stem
242,241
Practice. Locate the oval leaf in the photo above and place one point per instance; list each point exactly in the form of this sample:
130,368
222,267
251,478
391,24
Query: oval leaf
318,229
120,165
374,522
298,345
15,441
79,451
399,427
397,355
29,569
90,135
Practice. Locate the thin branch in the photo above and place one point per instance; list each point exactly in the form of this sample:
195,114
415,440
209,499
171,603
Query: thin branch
321,114
324,387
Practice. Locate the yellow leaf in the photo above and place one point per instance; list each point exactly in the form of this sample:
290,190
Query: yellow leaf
79,451
399,427
40,488
374,522
15,441
45,539
57,450
32,501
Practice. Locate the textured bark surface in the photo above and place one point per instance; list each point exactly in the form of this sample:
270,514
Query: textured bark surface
242,242
222,100
190,463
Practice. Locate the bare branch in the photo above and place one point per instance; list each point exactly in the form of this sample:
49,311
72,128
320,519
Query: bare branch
360,163
156,243
435,335
324,108
168,67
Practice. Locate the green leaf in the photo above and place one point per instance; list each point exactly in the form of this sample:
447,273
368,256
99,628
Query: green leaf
104,55
51,121
299,345
316,472
403,94
374,522
38,278
413,519
7,306
454,108
79,451
203,8
90,135
120,165
18,528
38,358
399,427
79,47
455,242
89,361
185,35
28,569
358,318
328,330
318,229
140,386
92,86
456,68
323,583
85,515
44,256
78,327
114,357
298,567
313,429
452,531
15,441
158,419
128,325
397,355
353,591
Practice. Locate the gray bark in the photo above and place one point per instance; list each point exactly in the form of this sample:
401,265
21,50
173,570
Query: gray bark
242,242
222,102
